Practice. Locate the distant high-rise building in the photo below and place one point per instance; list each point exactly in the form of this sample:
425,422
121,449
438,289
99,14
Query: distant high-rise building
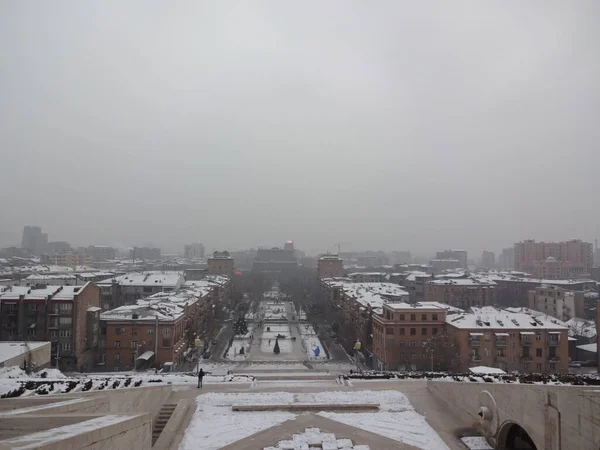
221,263
101,252
460,255
554,260
330,266
144,253
506,259
34,241
276,260
194,251
400,257
58,246
488,259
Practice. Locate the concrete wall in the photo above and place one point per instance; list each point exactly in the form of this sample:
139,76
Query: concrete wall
125,433
555,417
40,358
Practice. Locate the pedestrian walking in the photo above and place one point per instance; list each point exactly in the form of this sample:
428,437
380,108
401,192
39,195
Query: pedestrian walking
200,376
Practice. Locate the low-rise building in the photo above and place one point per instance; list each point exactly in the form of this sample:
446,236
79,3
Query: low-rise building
461,292
508,341
221,263
330,266
403,335
126,289
156,330
557,302
441,265
415,283
67,258
63,315
368,277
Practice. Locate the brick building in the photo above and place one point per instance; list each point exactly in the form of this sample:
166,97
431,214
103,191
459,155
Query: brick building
157,330
330,266
401,335
221,263
508,341
67,316
461,292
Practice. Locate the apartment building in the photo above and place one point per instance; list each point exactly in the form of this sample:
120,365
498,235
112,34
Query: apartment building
352,305
554,260
441,265
67,316
513,290
126,289
368,277
67,259
221,263
557,302
461,292
101,252
145,253
330,266
415,283
508,341
460,255
194,251
157,330
404,334
276,260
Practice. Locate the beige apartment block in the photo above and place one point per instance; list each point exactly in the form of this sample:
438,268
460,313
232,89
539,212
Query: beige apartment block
557,302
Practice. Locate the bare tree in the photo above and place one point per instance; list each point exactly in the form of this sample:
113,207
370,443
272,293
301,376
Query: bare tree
444,353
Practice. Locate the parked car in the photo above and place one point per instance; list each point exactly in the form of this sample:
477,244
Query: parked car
206,355
214,342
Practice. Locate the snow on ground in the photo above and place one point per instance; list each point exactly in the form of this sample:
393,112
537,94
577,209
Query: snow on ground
315,438
269,335
476,443
311,342
214,424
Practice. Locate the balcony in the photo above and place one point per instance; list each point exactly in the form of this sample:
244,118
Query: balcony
474,343
475,358
53,312
553,343
553,358
528,358
500,343
526,342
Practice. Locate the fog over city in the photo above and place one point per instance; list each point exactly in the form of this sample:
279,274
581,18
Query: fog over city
386,125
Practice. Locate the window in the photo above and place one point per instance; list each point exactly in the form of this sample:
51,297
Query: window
538,366
65,346
401,344
389,342
33,307
53,333
120,330
389,330
117,358
101,358
65,306
434,331
526,366
65,333
134,331
538,336
147,290
486,351
401,331
150,331
538,352
413,343
402,317
31,332
500,352
166,332
413,356
65,321
402,356
423,331
423,316
434,317
413,331
117,344
553,367
101,343
413,317
134,344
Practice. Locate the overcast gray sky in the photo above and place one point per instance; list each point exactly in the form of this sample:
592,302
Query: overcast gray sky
382,125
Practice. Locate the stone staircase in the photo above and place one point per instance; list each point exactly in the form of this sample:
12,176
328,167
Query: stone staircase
161,420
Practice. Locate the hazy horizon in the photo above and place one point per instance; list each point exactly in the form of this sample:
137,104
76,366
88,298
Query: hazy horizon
386,126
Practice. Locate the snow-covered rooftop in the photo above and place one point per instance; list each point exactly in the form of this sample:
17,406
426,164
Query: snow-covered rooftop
471,281
418,305
153,278
589,347
486,370
491,318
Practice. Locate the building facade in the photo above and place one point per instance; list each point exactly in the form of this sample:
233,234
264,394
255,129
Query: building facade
460,255
34,241
276,260
221,263
330,266
554,260
404,334
145,253
488,259
508,341
194,251
557,302
462,293
63,315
